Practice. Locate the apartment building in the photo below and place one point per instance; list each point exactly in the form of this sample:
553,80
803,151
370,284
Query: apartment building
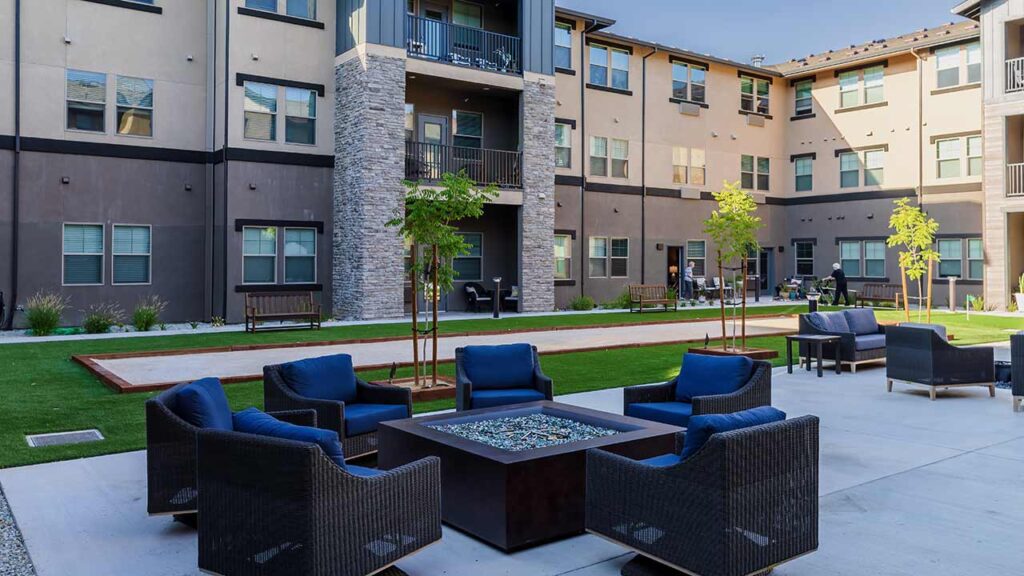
255,145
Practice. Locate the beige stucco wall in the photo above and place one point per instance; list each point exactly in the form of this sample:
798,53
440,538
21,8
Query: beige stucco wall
7,69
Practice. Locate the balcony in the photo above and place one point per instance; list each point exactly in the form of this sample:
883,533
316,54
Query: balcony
428,162
462,45
1014,180
1014,75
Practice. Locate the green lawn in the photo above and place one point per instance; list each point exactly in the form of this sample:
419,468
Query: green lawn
42,390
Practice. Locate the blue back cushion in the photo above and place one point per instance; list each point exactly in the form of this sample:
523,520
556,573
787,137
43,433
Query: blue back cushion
253,421
702,427
829,321
505,366
704,375
323,378
203,404
861,321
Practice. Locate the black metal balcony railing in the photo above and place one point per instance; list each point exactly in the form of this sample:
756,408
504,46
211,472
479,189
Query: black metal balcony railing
462,45
428,162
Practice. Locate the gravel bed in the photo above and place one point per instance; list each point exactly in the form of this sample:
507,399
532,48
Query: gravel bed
14,560
517,433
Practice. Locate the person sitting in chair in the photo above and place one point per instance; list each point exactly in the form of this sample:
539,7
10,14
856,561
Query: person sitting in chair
839,277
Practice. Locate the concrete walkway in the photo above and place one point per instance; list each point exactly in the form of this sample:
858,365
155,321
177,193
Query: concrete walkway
148,370
908,487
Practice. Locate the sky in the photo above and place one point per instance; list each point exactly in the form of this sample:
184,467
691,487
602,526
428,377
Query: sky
778,29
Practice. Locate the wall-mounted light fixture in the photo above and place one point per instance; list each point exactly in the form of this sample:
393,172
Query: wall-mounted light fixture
65,180
252,185
188,187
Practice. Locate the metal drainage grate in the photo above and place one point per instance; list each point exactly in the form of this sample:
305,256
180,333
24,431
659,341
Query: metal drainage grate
62,438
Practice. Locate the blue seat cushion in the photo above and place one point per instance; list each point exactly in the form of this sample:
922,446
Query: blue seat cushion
704,426
505,366
363,418
703,375
870,342
491,398
203,404
323,378
253,421
363,471
663,460
674,413
861,321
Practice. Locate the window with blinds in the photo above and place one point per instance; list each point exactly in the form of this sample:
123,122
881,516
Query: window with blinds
86,94
83,254
259,255
260,111
299,255
131,253
300,116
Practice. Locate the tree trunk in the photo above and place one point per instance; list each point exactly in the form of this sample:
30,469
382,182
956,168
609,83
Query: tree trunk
906,293
721,301
743,304
436,296
929,291
415,318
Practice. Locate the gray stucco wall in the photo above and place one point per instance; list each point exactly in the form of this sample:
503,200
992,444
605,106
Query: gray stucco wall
6,191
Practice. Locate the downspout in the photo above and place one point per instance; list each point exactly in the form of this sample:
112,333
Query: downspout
920,127
589,26
643,169
224,152
8,323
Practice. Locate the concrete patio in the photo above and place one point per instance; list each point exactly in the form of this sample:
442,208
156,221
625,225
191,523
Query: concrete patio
908,487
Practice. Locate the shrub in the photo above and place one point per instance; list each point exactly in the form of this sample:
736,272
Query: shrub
672,294
619,303
44,311
216,321
978,304
582,303
147,313
100,318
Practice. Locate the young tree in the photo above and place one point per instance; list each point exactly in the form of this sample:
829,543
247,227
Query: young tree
733,228
914,233
427,221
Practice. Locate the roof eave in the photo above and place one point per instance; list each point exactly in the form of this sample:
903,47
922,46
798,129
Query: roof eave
968,9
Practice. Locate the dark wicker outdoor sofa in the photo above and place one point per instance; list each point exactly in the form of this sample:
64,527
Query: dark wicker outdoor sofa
743,503
488,376
271,506
921,355
354,416
171,454
862,339
664,402
1017,369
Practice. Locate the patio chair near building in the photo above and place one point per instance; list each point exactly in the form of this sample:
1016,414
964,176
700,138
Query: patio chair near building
173,420
705,385
488,376
343,402
862,339
478,298
920,354
739,497
284,501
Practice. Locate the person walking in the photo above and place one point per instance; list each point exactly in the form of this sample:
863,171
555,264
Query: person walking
839,277
688,281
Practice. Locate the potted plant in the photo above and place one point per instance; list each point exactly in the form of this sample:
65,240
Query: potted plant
1018,297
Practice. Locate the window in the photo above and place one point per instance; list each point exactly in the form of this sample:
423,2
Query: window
134,106
563,256
697,167
302,9
804,102
688,81
804,176
620,158
468,14
975,259
951,258
299,255
688,165
86,100
874,79
270,5
410,122
602,59
849,170
947,63
598,156
948,152
849,89
874,258
620,257
696,252
849,258
874,167
598,65
747,172
754,172
563,46
620,69
804,258
469,129
974,163
563,146
754,94
260,111
131,254
259,255
300,116
83,254
470,266
973,62
598,257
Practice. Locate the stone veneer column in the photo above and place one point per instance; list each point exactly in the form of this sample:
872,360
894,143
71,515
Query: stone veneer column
369,167
537,221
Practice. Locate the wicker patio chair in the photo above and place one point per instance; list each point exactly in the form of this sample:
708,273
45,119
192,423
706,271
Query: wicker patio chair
330,414
474,390
920,355
281,507
745,502
171,455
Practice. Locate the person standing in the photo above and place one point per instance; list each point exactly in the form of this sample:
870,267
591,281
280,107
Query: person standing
688,281
839,277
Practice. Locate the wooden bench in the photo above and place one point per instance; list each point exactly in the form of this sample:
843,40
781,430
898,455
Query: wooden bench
643,295
273,306
876,292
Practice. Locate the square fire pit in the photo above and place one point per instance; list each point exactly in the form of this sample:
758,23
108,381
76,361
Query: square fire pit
515,476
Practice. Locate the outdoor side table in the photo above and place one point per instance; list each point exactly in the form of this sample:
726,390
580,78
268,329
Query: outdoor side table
815,343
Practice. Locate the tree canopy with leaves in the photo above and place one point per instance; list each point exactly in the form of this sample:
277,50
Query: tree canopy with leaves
914,233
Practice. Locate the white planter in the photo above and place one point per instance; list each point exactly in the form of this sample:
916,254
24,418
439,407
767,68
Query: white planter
1019,299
